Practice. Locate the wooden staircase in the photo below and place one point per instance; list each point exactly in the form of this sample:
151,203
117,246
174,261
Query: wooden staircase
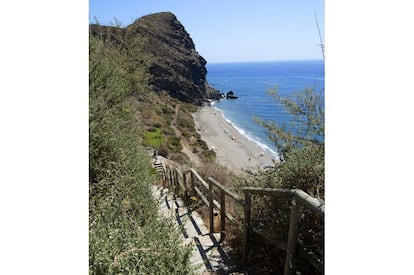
158,166
208,256
214,195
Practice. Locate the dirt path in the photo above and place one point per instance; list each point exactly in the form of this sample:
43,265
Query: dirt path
187,149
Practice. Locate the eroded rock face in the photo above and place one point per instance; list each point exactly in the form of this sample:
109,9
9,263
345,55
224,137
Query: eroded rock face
170,55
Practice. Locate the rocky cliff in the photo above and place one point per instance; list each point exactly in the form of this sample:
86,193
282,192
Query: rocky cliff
164,47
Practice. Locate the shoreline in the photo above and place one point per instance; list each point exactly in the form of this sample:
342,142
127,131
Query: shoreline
263,146
233,149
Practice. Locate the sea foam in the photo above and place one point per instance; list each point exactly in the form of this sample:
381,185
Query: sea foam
249,136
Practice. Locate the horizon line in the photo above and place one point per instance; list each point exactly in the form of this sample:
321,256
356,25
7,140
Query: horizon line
264,61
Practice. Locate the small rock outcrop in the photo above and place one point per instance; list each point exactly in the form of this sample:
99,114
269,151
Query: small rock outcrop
230,95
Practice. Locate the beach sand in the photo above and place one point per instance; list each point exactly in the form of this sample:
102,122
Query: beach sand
233,150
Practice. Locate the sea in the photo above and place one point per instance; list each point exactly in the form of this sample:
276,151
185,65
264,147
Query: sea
251,81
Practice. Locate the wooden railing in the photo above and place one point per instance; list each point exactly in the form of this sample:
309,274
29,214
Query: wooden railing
298,199
190,183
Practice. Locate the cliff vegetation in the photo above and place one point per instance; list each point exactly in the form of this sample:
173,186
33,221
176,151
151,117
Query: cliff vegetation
126,112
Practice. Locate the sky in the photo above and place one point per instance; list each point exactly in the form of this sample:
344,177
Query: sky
233,30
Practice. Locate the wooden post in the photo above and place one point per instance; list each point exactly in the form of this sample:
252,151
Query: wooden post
185,185
177,187
167,176
246,225
211,205
163,178
222,215
171,177
292,238
192,183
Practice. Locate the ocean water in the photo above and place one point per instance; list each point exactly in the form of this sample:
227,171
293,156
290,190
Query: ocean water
250,81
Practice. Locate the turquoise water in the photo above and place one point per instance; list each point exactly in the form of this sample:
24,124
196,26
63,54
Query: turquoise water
251,81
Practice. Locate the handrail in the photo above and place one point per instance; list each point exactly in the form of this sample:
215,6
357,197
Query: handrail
194,172
228,193
307,200
298,197
179,179
310,202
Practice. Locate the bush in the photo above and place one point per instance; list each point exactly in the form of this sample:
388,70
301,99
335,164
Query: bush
220,173
175,142
209,156
154,138
157,124
179,158
164,151
126,234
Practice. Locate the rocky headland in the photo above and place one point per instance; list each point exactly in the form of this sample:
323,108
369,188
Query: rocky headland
167,51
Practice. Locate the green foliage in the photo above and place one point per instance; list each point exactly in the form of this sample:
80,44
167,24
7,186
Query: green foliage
154,138
185,121
175,144
126,234
179,157
201,143
208,156
302,148
307,120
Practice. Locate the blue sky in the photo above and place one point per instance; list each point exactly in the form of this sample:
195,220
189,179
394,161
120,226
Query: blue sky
233,30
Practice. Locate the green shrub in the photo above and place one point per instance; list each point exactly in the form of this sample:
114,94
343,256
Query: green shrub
154,138
126,233
179,158
186,134
209,156
157,124
164,151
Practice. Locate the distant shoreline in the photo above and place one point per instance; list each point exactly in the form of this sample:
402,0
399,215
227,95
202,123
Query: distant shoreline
233,149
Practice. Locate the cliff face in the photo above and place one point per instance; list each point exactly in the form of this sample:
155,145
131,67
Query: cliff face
168,52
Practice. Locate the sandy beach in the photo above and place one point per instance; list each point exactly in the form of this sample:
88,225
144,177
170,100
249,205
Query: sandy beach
233,150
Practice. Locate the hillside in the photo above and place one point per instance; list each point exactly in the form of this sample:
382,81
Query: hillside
162,45
167,80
